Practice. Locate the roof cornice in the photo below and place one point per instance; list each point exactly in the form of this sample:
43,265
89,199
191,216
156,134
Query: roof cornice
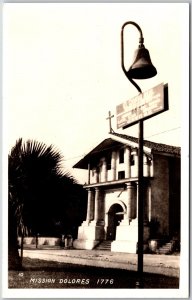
148,146
129,143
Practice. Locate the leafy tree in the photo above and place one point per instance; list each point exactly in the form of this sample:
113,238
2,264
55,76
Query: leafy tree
43,198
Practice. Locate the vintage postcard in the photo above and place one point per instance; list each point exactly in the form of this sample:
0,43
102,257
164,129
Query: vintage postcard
95,129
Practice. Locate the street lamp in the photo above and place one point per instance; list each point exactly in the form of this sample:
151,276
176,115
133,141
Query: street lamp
141,68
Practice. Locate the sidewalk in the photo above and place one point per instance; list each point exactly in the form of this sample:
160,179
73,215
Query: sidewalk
168,265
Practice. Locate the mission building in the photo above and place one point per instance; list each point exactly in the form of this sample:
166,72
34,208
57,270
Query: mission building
112,208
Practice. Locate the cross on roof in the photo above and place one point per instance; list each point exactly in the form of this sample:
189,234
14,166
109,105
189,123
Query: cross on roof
109,118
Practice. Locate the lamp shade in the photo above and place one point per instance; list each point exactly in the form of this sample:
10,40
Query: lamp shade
142,67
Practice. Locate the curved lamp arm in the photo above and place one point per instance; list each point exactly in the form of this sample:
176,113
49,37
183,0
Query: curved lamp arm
141,40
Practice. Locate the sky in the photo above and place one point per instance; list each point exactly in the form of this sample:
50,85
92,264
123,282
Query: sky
62,72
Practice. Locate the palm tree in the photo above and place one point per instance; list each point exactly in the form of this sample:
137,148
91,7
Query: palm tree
38,190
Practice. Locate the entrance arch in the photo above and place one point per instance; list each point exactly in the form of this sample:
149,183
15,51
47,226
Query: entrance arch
115,215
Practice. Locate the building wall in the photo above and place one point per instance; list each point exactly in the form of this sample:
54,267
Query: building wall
115,196
175,191
101,172
162,191
113,205
160,195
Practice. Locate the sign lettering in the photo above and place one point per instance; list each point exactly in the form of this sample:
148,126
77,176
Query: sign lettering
143,106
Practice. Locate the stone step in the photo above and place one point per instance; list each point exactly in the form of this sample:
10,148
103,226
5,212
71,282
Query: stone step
101,246
167,245
164,252
165,249
105,245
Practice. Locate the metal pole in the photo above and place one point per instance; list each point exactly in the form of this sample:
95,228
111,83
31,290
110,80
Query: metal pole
139,284
141,40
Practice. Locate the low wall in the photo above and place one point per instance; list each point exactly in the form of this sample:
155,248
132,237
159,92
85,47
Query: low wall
51,241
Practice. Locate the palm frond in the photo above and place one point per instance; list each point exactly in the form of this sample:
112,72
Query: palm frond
36,174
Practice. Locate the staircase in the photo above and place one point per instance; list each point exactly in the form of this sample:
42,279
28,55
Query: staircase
166,248
105,245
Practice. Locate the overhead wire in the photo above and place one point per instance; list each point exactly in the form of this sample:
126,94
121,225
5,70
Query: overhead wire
109,148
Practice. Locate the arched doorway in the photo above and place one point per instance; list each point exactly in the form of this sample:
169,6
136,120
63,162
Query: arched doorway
115,215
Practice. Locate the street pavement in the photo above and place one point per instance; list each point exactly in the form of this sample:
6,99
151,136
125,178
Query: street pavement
168,265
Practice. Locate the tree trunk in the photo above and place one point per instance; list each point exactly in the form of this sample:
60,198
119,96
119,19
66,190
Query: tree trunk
14,260
21,252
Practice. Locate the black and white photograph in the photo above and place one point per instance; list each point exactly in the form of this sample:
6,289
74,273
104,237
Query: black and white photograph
95,111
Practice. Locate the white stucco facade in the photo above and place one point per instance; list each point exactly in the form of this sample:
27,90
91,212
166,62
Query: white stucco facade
112,209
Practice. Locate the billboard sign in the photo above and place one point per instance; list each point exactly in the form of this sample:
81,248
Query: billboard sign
143,106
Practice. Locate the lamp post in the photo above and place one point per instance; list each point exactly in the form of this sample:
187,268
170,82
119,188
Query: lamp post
142,68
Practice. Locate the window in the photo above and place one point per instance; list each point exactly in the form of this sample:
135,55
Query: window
132,160
108,158
121,156
121,174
